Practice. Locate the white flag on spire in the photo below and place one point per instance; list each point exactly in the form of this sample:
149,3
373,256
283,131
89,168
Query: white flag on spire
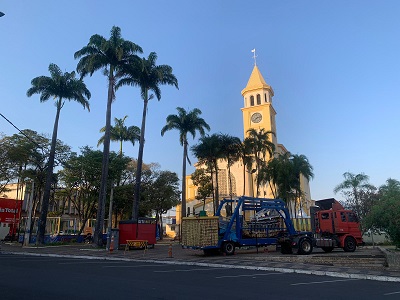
254,50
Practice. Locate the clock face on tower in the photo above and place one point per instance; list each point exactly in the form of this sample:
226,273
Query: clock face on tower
256,117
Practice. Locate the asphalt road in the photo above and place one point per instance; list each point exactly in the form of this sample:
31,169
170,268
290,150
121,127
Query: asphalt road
35,277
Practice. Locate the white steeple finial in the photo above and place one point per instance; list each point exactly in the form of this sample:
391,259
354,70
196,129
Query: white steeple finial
254,56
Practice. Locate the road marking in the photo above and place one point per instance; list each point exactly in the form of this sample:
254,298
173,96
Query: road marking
134,266
250,275
388,294
188,270
88,262
326,281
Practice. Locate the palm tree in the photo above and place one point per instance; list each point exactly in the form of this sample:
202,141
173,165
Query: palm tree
59,86
121,133
148,76
246,159
208,151
301,168
110,56
260,144
352,187
230,147
185,122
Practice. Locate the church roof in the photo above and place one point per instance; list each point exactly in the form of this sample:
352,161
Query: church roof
256,81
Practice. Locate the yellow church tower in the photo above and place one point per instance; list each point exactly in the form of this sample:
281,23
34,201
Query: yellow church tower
258,111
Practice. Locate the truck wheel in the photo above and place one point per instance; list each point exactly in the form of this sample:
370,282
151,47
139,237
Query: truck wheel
327,249
228,248
286,248
350,244
305,246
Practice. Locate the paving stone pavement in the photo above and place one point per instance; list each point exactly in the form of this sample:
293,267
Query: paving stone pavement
364,263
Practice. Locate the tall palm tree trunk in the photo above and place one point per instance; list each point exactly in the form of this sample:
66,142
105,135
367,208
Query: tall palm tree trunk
183,209
135,210
98,230
49,177
216,189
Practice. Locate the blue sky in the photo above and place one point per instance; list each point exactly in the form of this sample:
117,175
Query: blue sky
334,67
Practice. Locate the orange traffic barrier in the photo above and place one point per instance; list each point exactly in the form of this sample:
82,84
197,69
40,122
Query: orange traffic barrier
112,244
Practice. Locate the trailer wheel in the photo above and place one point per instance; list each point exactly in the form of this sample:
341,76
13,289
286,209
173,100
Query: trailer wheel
350,244
305,246
228,248
327,249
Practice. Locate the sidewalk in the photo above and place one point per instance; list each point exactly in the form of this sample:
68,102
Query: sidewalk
364,263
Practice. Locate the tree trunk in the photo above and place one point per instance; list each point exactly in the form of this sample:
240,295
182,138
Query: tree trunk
216,187
101,207
49,177
183,205
135,210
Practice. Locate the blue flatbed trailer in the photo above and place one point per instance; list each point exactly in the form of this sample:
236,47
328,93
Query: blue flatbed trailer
268,223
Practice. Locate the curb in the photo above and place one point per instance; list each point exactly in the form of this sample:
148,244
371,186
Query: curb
225,266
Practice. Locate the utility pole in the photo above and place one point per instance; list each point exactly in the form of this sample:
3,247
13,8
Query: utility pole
110,219
27,234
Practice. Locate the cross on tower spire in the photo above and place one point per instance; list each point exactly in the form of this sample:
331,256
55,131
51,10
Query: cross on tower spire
254,56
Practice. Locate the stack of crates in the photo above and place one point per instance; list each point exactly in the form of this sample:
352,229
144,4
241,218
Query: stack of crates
200,232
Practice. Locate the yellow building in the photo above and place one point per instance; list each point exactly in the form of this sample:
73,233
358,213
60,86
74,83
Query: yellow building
258,113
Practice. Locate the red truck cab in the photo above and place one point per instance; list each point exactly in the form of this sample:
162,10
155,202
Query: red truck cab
336,227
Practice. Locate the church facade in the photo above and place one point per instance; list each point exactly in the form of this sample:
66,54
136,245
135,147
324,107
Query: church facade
258,113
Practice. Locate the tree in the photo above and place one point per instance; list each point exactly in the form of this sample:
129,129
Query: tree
208,152
230,148
148,76
81,180
246,159
185,122
60,86
301,169
121,133
162,194
258,141
385,212
110,56
354,189
203,181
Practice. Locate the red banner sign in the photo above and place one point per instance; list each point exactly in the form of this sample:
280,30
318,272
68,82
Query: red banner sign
10,210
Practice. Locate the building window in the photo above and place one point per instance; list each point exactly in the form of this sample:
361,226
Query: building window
251,100
265,98
258,99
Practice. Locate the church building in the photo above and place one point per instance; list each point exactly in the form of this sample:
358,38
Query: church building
258,113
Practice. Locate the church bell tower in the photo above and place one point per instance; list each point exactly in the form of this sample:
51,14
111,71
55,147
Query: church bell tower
258,111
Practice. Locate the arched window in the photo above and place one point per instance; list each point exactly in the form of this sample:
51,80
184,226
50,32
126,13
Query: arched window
251,100
258,99
265,98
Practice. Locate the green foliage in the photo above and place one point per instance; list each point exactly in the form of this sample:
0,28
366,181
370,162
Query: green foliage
121,133
359,194
82,176
385,213
161,194
204,185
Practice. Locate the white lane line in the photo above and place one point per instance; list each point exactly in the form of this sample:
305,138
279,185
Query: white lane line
40,260
326,281
134,266
188,270
388,294
88,262
250,275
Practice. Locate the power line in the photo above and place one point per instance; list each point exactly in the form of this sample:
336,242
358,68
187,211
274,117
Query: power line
20,131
